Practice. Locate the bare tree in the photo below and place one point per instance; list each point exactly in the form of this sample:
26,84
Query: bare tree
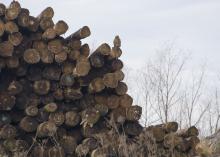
161,82
170,93
194,108
213,116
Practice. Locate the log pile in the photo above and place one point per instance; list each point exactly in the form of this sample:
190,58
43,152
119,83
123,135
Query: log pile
173,142
58,100
154,141
54,94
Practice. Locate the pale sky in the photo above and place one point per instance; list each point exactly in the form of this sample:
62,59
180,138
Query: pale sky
144,25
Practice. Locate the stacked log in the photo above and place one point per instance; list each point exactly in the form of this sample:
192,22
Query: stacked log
54,94
163,140
174,142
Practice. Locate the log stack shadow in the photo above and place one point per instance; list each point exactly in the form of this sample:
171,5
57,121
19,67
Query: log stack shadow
57,99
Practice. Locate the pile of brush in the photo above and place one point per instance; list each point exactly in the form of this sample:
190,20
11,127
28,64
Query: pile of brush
54,94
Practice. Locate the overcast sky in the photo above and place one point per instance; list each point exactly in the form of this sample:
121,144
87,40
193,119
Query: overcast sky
144,25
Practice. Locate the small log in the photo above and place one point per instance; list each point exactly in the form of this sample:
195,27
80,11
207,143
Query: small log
96,85
39,151
58,94
116,52
158,133
46,23
23,18
90,143
46,129
35,36
110,80
46,13
118,115
12,62
56,151
119,75
57,117
25,10
80,34
5,118
97,60
28,124
125,101
192,131
183,146
11,27
116,65
121,89
12,11
33,24
102,108
85,50
69,144
2,9
67,67
7,102
193,141
171,141
42,115
103,49
41,87
55,46
31,56
74,55
117,41
49,33
101,99
67,80
132,128
8,131
61,57
72,94
72,118
82,150
113,101
31,111
39,45
61,27
90,117
133,113
50,107
170,127
15,38
46,56
15,88
74,44
82,67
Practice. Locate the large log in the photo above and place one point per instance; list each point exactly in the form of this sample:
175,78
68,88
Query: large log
11,27
46,13
61,27
12,11
15,38
80,34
